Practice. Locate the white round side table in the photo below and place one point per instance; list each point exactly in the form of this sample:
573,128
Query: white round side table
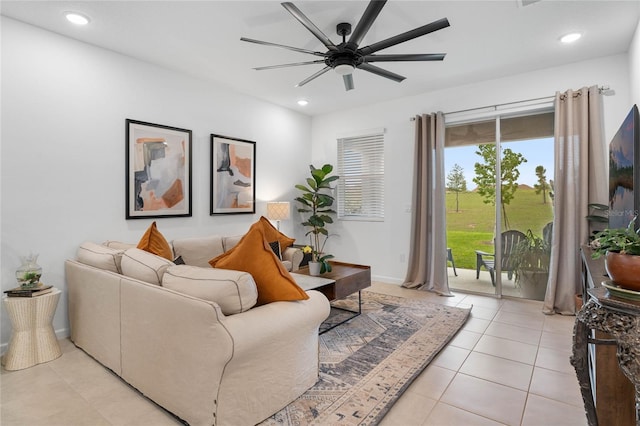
33,340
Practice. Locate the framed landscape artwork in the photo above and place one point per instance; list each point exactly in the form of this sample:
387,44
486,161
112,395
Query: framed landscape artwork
158,168
233,175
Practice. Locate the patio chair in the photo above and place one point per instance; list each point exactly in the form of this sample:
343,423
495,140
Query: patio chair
509,241
547,233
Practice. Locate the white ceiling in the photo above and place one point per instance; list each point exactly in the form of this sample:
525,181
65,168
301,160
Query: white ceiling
486,39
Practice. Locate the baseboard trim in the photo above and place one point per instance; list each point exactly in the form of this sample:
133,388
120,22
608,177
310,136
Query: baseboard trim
387,280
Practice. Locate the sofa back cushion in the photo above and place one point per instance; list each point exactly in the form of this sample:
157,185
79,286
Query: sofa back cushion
230,242
198,251
233,291
144,266
100,256
118,245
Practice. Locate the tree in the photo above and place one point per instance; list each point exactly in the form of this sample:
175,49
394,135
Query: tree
542,185
456,182
486,176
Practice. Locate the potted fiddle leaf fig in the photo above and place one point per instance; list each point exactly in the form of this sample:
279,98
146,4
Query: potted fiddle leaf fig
317,201
531,264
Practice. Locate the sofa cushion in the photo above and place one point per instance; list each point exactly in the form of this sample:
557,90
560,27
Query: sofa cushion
198,251
154,242
230,242
100,256
233,291
118,245
144,266
253,255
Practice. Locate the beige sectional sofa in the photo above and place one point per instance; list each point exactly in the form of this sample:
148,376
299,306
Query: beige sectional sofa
190,337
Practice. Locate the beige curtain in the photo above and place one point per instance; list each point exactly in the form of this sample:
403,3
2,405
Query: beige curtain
427,254
580,179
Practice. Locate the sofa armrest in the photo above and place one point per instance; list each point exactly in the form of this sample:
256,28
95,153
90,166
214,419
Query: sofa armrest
175,349
275,358
294,255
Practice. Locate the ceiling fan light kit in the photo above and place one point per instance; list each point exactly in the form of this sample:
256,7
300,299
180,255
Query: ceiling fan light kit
345,57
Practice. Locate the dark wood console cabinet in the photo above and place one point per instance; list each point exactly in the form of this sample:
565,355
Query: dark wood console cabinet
605,326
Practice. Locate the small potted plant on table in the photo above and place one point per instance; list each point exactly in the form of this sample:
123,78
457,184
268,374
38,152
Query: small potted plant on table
621,248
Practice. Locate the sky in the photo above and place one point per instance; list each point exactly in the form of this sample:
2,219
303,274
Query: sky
538,152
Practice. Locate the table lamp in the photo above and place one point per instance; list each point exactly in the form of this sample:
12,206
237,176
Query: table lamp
278,210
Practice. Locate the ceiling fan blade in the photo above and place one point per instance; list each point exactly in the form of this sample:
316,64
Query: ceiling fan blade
401,38
316,75
408,57
282,46
381,72
292,9
348,81
295,64
369,15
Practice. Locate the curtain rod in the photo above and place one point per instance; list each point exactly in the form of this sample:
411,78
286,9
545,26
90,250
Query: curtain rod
605,90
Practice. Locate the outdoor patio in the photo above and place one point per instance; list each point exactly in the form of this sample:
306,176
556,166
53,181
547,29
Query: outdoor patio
466,281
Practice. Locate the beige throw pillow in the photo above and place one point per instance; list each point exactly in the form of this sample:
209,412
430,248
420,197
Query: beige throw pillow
233,291
144,266
100,256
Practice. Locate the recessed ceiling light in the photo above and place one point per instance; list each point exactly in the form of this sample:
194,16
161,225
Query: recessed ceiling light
570,38
77,18
303,102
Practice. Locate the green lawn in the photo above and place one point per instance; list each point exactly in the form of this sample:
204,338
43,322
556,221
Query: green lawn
472,227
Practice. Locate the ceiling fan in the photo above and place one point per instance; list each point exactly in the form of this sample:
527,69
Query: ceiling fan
345,57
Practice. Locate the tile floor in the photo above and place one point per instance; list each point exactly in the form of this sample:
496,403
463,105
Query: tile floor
509,365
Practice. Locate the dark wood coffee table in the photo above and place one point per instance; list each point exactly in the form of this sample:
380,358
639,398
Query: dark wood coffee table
343,280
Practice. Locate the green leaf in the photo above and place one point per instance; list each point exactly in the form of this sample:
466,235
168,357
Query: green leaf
303,188
326,218
331,179
312,183
327,168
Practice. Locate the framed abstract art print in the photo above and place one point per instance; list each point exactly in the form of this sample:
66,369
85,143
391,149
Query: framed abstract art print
233,175
158,167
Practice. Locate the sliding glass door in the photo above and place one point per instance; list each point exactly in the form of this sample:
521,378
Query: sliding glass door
499,202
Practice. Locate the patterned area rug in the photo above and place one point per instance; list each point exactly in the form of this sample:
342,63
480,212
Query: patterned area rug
367,363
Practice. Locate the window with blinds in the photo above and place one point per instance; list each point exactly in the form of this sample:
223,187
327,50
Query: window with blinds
361,183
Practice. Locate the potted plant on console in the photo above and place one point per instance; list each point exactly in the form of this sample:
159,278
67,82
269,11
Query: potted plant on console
530,258
317,200
621,248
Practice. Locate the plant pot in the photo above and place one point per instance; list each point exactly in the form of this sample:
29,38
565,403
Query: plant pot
533,284
623,269
314,268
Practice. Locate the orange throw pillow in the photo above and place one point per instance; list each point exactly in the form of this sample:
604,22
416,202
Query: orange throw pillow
253,255
154,242
272,234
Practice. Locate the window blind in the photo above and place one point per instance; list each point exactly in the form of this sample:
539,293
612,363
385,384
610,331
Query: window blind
361,183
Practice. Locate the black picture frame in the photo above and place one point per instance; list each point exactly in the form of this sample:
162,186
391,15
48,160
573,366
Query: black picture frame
158,170
233,176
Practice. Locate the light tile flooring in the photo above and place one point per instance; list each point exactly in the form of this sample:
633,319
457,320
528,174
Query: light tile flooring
509,365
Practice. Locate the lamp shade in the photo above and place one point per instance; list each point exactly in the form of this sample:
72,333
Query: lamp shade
278,210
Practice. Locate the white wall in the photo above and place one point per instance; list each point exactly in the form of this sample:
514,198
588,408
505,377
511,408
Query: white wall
384,245
64,105
634,66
